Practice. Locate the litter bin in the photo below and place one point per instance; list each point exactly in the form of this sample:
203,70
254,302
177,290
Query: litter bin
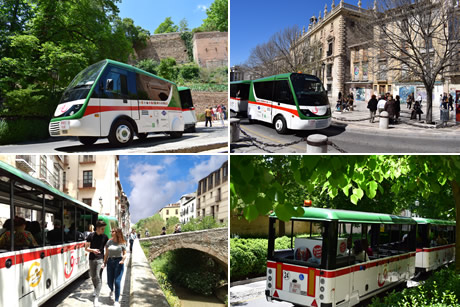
444,115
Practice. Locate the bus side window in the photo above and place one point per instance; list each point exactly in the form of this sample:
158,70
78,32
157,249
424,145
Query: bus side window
264,90
116,83
283,92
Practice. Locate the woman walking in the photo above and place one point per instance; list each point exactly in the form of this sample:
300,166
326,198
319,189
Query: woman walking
115,255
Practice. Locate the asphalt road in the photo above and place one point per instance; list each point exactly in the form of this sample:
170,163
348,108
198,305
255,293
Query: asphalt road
352,138
204,139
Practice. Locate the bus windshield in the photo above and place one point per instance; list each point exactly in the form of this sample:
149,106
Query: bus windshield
308,90
81,84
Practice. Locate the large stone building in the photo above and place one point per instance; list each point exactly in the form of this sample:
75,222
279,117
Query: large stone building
212,195
171,210
351,62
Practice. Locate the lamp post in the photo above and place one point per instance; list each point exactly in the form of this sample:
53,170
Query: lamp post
100,204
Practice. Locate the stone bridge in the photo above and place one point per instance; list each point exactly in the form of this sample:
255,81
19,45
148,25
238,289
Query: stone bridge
213,242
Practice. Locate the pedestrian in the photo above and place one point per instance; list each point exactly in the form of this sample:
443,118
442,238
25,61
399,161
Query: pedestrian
220,115
90,230
208,117
451,102
95,243
132,237
224,109
177,229
390,108
444,111
115,255
350,101
397,108
417,110
410,99
381,104
419,99
147,234
338,106
163,231
372,106
214,113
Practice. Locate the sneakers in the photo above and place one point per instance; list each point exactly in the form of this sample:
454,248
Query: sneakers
96,301
94,293
116,304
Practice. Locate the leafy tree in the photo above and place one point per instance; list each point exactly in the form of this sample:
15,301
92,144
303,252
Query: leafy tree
148,65
167,26
183,25
217,19
256,189
153,224
135,34
167,69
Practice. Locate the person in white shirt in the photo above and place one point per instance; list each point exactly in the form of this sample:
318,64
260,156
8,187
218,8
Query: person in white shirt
381,104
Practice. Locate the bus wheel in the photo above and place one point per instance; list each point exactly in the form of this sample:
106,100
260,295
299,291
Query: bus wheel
121,133
176,134
87,140
280,125
142,136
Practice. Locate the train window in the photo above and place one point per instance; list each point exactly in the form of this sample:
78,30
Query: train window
54,233
344,255
69,223
80,224
438,235
422,236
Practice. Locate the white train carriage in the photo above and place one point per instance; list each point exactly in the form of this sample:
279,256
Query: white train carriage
435,244
239,96
32,273
338,257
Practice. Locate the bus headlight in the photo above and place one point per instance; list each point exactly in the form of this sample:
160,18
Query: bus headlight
72,110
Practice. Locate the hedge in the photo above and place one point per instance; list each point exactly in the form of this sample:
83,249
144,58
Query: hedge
19,129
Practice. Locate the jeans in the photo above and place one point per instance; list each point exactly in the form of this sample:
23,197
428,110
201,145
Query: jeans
372,116
114,274
94,272
131,245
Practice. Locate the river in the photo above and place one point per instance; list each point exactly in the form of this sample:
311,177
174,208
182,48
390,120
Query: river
189,298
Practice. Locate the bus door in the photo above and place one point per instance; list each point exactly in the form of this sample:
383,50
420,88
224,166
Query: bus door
9,271
262,109
283,101
132,95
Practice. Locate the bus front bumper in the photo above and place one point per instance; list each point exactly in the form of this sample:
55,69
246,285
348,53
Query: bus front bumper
71,127
308,124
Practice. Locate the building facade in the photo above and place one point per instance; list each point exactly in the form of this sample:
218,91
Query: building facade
171,210
187,207
351,63
212,195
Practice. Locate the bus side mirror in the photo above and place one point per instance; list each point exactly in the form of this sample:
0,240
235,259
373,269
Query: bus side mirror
109,85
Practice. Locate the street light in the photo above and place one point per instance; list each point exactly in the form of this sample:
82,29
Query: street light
100,203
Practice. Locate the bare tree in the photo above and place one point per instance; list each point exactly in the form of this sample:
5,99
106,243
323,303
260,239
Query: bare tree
278,55
418,39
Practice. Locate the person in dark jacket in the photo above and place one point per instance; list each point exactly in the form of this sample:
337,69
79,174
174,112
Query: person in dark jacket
390,108
372,106
451,102
397,107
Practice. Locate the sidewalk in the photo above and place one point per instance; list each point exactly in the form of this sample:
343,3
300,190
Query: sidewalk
215,124
358,119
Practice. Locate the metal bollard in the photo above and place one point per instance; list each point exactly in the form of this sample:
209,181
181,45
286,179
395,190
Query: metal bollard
384,120
234,130
317,143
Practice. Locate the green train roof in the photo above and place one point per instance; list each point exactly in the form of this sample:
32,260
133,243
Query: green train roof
241,82
281,76
135,69
18,174
321,214
182,88
422,220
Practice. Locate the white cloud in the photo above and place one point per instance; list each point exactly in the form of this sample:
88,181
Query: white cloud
151,190
202,7
168,160
201,170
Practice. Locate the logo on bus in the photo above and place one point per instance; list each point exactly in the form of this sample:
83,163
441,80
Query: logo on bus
35,274
317,251
382,277
68,265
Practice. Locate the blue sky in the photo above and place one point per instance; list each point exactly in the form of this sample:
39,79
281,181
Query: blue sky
150,13
253,22
154,181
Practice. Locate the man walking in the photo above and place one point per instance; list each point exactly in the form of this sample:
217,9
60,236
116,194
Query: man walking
132,237
95,243
208,116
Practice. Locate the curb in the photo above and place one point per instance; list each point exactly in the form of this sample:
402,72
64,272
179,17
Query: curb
195,149
247,281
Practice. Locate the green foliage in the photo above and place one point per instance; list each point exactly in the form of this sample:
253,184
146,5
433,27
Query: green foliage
217,19
187,37
217,75
441,289
379,183
153,224
148,65
135,34
191,269
14,130
206,87
171,223
208,222
248,257
167,69
167,26
189,71
166,287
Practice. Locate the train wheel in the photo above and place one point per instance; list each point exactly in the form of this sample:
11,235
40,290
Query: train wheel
280,125
87,140
121,133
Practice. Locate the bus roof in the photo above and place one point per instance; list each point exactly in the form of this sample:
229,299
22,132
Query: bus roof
282,76
241,82
422,220
135,69
38,183
347,216
182,88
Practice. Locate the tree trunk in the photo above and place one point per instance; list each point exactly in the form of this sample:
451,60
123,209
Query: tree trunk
429,104
456,192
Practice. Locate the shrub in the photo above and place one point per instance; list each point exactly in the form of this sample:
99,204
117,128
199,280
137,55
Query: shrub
441,289
148,65
189,71
14,129
167,69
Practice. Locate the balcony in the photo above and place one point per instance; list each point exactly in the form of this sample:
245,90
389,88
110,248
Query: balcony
86,184
24,163
87,159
